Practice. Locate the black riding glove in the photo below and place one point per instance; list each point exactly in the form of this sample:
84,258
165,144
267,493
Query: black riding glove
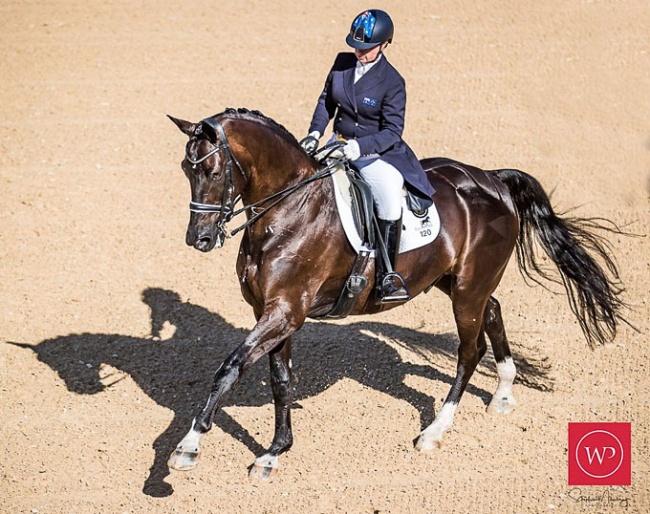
309,143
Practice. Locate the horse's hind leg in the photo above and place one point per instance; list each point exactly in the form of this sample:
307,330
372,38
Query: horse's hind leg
503,401
265,466
468,312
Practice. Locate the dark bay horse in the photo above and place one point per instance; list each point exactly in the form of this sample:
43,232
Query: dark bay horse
294,259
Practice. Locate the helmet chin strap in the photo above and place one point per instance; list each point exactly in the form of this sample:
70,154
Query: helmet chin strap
381,51
376,58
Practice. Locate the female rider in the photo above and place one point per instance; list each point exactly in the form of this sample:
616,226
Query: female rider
366,96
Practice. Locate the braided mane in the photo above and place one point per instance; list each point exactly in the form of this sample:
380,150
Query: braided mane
254,115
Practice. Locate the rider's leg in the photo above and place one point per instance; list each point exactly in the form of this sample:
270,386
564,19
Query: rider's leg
386,183
390,284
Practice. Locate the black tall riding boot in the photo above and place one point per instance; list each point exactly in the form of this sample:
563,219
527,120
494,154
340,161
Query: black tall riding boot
390,284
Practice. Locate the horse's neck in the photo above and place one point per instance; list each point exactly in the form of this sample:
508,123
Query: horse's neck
276,164
275,168
284,184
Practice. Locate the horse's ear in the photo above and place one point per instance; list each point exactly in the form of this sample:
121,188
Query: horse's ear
186,127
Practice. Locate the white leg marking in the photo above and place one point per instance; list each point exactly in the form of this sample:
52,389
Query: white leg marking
431,437
503,402
190,443
268,461
187,452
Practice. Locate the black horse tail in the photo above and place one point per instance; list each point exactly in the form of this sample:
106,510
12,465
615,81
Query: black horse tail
594,289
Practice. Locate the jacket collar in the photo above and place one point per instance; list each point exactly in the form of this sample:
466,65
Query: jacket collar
368,80
364,83
348,85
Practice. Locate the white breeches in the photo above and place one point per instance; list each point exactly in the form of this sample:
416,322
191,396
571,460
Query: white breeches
386,184
385,181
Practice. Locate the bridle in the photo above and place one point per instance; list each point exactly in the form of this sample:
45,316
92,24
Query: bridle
226,209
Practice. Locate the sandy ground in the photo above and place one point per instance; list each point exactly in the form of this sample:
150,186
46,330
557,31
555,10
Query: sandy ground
111,328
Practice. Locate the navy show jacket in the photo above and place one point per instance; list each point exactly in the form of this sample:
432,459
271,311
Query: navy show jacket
372,112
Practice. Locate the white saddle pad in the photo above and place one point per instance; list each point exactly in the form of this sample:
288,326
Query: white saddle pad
417,231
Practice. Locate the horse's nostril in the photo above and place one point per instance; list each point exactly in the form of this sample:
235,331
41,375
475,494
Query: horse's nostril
204,243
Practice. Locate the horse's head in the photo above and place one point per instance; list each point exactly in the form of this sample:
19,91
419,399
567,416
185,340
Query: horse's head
274,165
214,174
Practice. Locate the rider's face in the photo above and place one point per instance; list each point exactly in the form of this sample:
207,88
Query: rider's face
366,56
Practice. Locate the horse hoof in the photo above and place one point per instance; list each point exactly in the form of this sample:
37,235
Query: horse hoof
501,405
265,474
183,460
427,444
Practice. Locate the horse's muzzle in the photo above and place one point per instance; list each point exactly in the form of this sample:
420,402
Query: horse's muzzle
205,240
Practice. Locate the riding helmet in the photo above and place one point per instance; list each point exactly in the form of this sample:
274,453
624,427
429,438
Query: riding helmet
369,29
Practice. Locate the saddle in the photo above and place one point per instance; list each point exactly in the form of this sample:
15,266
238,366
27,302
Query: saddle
363,210
360,206
363,207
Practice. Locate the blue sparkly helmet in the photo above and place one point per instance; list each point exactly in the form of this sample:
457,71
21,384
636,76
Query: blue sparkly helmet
369,29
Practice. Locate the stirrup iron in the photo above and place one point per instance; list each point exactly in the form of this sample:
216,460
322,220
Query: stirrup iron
393,289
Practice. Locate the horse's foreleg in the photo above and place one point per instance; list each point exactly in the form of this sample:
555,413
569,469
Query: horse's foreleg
187,452
469,321
273,327
503,401
265,466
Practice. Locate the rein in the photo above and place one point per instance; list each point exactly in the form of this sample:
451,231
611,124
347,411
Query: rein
226,209
325,172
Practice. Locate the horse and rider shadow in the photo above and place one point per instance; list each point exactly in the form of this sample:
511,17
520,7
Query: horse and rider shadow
176,372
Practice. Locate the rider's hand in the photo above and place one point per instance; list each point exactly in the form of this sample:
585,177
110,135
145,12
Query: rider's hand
351,150
310,143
